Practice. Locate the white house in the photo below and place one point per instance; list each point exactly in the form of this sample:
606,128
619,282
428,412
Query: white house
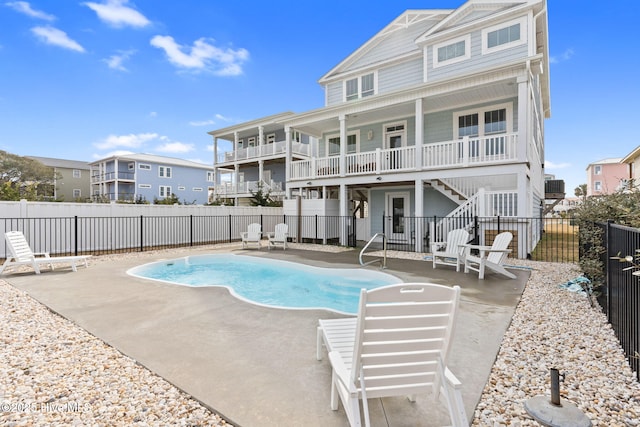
147,177
441,113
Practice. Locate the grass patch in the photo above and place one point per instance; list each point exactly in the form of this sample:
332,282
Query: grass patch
559,243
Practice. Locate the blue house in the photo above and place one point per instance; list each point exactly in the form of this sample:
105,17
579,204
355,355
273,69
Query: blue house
439,114
134,177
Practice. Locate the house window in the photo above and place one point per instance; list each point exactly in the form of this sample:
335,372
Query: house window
271,138
144,167
251,141
296,136
485,129
164,171
333,144
165,191
504,36
452,51
468,125
181,188
360,87
196,189
597,170
77,173
144,185
131,166
210,175
495,121
597,186
77,193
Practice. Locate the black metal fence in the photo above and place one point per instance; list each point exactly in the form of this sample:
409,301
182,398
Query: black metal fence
545,239
621,294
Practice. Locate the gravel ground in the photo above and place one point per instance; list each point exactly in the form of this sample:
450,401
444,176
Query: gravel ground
53,373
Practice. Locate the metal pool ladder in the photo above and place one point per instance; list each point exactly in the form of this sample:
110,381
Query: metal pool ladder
383,260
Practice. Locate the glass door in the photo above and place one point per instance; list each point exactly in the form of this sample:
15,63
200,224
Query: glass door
397,208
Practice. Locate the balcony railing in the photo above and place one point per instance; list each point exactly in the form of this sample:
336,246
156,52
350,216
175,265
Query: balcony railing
246,187
112,176
486,150
264,150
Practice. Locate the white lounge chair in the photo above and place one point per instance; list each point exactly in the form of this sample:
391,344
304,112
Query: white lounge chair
253,235
451,251
492,257
279,236
398,345
21,254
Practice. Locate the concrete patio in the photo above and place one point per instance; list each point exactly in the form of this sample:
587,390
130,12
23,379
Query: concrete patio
255,365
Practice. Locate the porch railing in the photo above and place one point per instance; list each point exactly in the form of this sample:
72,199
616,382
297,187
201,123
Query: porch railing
487,150
276,148
229,188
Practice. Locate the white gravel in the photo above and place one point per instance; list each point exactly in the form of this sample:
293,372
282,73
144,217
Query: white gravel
53,373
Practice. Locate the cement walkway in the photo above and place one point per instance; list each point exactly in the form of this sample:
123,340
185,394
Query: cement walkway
254,365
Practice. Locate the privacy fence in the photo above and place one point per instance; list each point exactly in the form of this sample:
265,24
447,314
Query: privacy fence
547,239
620,297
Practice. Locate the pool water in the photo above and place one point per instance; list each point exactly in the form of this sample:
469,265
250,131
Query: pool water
269,282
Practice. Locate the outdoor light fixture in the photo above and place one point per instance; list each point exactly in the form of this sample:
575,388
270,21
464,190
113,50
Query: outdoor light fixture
370,135
309,183
379,178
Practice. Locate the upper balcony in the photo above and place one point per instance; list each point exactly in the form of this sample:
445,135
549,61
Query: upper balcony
97,177
231,189
276,149
487,150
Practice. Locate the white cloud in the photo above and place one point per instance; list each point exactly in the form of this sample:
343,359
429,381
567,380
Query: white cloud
115,61
565,56
202,56
202,123
25,8
56,37
210,148
548,164
128,141
175,147
117,14
153,114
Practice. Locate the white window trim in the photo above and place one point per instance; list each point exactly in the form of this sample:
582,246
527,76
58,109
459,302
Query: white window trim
523,35
167,191
480,111
337,135
77,173
144,166
131,166
210,176
164,174
359,77
181,188
402,132
597,170
197,189
77,192
467,51
271,138
144,185
597,186
251,142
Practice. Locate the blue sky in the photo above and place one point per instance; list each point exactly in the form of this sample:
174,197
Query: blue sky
84,80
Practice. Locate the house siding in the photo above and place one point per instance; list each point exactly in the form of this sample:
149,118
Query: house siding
334,93
399,76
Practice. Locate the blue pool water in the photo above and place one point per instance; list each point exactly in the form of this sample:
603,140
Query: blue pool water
270,282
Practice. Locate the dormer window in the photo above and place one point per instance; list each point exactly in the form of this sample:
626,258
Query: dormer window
452,51
359,87
504,36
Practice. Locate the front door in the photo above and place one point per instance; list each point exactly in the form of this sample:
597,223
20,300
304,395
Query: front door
394,139
397,225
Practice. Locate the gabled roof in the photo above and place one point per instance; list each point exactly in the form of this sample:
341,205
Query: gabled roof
609,161
457,17
629,158
151,158
61,163
408,19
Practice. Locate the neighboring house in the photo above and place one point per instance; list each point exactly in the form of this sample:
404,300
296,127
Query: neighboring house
134,177
633,161
606,176
72,181
441,113
257,158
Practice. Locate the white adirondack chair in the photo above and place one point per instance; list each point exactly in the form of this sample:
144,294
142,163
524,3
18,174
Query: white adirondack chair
21,254
451,251
492,257
253,235
279,236
398,345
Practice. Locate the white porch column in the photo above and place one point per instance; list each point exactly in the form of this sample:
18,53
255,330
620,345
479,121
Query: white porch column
419,213
525,195
419,133
117,176
287,163
236,178
235,146
524,120
260,169
260,142
344,213
343,144
215,150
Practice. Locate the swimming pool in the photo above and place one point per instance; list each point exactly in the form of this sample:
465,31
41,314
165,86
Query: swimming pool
270,282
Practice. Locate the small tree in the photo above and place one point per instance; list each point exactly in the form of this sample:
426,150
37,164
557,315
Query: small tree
169,200
581,191
262,198
25,178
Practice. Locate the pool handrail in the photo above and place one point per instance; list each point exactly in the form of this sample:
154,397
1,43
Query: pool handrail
383,260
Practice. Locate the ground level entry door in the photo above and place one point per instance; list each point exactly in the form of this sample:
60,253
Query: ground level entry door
397,209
